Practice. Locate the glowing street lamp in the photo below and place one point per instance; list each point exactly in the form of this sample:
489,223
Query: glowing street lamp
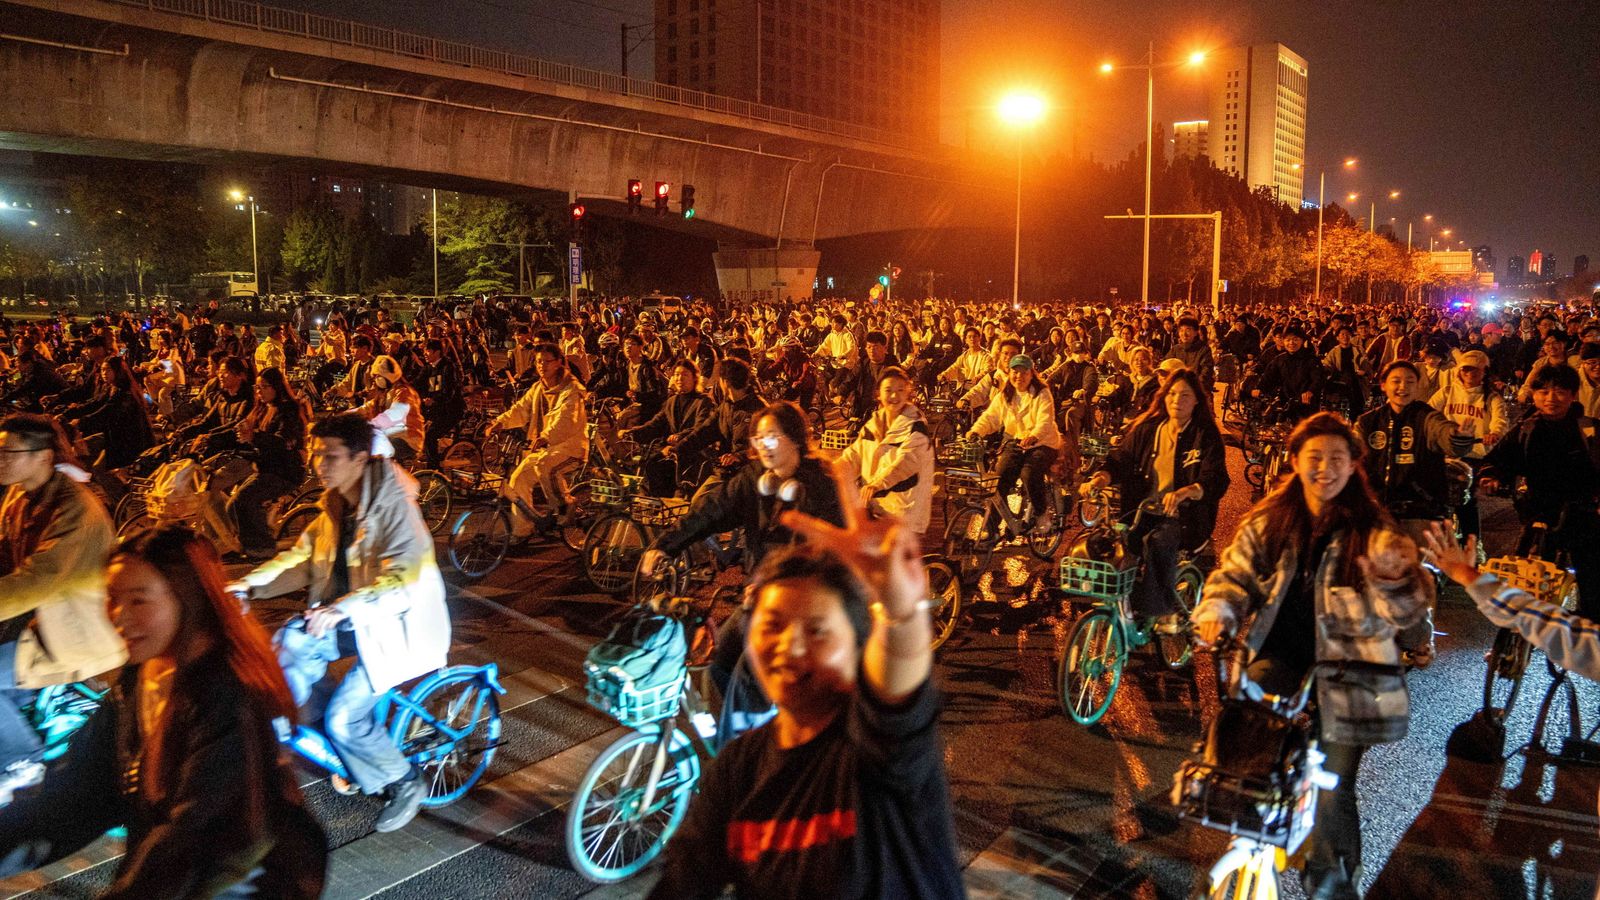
1021,110
1197,58
238,196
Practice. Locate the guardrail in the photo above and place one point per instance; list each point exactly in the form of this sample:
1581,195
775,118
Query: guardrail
388,40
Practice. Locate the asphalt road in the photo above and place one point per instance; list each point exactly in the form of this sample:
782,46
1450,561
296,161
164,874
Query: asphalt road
1043,807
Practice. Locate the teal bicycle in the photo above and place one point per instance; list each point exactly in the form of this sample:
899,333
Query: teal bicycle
1102,567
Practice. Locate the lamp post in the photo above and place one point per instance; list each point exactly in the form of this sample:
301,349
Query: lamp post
239,196
1322,192
1149,67
1019,110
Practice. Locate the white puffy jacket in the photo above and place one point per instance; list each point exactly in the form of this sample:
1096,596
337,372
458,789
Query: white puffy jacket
895,459
1023,415
1482,411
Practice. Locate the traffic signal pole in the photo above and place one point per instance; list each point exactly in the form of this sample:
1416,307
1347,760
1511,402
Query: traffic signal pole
572,284
1216,248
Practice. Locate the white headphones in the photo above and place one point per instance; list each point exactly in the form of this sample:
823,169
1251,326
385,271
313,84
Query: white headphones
770,484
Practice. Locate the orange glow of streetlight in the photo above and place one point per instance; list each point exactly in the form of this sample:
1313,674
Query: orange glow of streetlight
1447,232
1394,195
1351,198
1107,68
1428,217
1196,58
236,195
1021,108
1350,163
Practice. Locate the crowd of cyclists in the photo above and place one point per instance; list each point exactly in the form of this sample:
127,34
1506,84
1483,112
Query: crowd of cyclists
1390,422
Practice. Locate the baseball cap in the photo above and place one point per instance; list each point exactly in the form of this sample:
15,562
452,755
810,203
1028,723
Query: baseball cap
1493,328
1476,359
1169,365
1021,361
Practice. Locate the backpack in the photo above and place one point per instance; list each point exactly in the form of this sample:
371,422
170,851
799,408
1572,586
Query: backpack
645,650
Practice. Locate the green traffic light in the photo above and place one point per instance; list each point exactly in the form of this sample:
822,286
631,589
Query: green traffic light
883,280
688,213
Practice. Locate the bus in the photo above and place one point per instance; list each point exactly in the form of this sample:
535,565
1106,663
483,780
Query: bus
224,285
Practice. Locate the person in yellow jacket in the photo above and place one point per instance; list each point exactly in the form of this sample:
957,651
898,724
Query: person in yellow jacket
553,413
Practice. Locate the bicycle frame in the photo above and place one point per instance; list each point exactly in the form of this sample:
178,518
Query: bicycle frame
312,744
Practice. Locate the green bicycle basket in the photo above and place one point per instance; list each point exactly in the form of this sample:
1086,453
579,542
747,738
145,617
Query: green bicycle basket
1096,579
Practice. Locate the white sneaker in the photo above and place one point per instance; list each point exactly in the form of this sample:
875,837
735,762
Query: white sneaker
19,775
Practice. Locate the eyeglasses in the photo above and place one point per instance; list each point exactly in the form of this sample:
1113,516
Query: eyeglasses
765,441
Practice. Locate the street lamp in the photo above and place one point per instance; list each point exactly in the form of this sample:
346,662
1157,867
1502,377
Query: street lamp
1149,66
1020,110
239,196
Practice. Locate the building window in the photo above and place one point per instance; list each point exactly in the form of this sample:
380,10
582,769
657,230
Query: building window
694,73
711,24
672,7
672,76
672,53
694,5
711,72
694,26
711,47
672,30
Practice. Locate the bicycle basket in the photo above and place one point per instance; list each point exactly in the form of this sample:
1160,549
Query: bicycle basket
628,703
965,454
968,483
608,493
1277,810
658,512
835,439
1541,578
1095,579
1091,445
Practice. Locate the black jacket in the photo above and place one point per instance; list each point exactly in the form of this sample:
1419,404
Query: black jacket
727,431
230,805
1289,375
1559,459
1199,458
737,503
1405,458
443,400
682,414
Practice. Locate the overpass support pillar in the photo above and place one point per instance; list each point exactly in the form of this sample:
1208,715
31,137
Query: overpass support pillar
767,274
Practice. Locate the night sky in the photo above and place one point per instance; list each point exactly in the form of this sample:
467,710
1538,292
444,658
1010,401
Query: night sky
1484,114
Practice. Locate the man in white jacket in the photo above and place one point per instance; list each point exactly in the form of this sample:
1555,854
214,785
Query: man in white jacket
1477,410
374,592
553,413
1026,411
892,460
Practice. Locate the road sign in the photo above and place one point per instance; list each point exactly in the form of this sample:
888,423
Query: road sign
574,264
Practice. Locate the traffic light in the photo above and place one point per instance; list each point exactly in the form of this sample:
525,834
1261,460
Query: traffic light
663,193
635,195
575,213
894,273
883,280
686,201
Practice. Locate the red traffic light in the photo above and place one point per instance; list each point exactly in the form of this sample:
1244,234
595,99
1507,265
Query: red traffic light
663,190
635,187
576,210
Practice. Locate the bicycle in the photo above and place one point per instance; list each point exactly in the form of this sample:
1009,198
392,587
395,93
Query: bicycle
636,792
1258,777
1094,509
447,725
1507,660
985,519
1103,568
482,536
615,542
1266,457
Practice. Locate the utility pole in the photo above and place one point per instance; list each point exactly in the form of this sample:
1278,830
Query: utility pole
435,193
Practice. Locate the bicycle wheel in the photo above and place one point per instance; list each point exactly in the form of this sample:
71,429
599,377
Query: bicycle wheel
1507,662
131,506
578,517
944,589
480,540
1091,667
462,456
611,552
611,831
294,523
968,543
461,703
1092,510
1256,475
433,498
1173,643
1044,545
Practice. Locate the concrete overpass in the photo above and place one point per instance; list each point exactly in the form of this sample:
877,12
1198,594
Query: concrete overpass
228,81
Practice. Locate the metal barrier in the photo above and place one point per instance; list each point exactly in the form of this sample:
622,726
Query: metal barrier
388,40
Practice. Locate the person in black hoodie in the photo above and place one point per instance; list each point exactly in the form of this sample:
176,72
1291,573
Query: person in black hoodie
443,399
273,433
1407,444
209,800
116,424
1293,379
684,412
1173,454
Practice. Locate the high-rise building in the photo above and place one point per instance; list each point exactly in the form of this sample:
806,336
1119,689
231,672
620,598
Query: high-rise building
1189,139
1536,263
1516,270
1483,258
870,62
1258,117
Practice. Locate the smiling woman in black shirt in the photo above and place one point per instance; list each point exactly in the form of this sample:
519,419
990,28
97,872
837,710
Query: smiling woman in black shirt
843,794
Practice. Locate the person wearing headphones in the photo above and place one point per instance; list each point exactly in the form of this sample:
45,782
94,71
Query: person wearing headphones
892,460
785,475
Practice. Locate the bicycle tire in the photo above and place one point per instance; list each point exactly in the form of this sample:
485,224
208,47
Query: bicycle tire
615,801
1255,474
434,498
1506,664
967,543
293,524
1091,666
1092,511
132,505
1044,546
944,589
1174,648
574,522
480,540
611,552
462,701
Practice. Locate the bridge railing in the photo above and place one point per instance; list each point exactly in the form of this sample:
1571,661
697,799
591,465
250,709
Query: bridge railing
388,40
